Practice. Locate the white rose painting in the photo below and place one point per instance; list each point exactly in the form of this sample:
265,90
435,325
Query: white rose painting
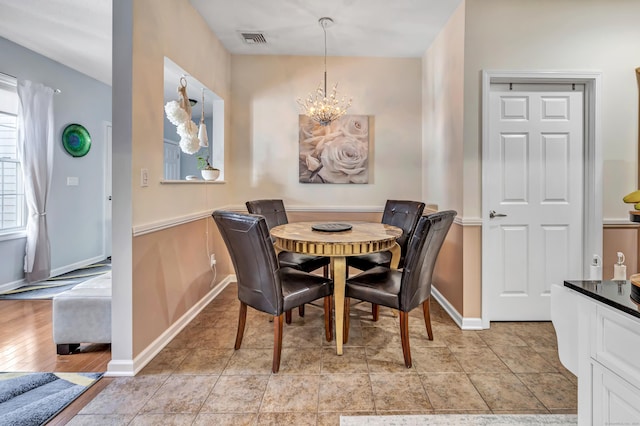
336,153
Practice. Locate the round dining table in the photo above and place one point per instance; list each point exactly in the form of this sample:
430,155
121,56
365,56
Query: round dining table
337,241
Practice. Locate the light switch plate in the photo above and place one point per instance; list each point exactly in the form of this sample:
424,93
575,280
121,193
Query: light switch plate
73,181
144,177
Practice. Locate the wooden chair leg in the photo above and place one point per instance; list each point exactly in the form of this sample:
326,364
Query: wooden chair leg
242,320
325,271
427,317
345,322
287,316
277,342
328,319
404,336
375,311
301,310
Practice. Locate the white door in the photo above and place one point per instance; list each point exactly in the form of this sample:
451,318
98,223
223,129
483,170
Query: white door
534,217
107,189
171,160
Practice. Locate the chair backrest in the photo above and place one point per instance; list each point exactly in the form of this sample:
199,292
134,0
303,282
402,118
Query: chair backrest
403,214
272,210
254,259
422,252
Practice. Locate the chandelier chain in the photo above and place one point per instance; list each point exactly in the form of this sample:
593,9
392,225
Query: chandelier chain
324,107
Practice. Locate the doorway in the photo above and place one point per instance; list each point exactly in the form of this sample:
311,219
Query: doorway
541,202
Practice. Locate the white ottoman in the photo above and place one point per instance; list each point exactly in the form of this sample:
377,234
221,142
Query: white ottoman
83,314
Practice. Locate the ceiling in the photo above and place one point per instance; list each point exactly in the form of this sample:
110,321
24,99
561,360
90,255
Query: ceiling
77,33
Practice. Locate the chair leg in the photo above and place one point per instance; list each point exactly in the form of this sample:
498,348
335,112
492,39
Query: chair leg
345,322
242,320
277,342
287,316
325,271
301,310
427,317
404,336
328,319
375,311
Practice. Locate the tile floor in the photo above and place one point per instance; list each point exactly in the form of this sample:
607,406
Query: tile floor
199,379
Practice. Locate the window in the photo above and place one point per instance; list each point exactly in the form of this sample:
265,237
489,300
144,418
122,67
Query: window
12,202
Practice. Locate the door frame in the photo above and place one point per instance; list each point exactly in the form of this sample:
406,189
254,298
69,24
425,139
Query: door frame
108,189
592,197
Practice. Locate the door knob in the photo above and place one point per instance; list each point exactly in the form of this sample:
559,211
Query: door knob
493,214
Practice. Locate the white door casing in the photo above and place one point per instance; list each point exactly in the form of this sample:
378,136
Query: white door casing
107,189
540,161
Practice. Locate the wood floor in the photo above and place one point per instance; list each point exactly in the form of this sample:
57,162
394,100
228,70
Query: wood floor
26,344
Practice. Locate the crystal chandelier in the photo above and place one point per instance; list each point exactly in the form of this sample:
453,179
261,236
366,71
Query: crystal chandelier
320,106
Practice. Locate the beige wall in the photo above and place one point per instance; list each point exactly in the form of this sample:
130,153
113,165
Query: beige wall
171,274
562,35
448,273
442,118
176,30
617,238
593,35
264,161
170,267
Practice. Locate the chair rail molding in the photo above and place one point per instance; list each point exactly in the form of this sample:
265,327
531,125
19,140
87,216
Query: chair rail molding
147,228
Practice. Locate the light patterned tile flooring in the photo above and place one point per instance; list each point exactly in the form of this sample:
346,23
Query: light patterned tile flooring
199,379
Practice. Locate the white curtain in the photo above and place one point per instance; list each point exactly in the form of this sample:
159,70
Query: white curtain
35,151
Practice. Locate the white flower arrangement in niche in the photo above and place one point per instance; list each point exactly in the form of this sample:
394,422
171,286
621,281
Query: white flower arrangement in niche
179,114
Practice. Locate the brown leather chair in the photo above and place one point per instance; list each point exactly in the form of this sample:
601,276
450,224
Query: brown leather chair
408,288
401,213
263,284
275,214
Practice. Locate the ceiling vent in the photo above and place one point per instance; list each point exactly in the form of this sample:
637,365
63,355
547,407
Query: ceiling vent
253,38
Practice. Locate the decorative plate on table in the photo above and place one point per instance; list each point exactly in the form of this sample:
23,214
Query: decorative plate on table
331,227
76,140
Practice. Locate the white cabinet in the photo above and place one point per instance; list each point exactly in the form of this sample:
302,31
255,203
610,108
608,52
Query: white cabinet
615,401
608,358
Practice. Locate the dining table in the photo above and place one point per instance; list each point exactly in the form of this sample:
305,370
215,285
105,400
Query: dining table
338,241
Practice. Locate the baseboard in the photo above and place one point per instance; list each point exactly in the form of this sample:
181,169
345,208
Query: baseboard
462,322
72,267
12,285
120,368
472,324
54,272
132,367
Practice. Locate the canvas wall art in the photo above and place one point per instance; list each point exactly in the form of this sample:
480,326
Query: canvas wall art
336,153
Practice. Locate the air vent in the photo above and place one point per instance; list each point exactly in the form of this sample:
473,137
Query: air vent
254,38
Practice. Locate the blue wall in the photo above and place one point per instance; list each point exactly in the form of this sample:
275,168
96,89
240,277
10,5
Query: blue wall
76,213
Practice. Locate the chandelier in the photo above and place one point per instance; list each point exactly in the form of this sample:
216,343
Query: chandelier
320,106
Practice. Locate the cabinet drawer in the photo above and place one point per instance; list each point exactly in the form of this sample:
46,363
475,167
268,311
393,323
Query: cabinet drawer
615,402
617,344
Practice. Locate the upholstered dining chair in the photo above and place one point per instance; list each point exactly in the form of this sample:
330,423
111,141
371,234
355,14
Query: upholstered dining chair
408,288
401,213
263,283
275,214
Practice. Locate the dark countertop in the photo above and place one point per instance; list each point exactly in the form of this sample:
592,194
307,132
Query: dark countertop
613,293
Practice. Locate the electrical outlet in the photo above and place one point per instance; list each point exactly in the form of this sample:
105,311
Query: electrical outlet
213,259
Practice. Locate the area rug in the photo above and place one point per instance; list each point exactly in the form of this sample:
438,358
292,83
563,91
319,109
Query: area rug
463,420
28,399
53,286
